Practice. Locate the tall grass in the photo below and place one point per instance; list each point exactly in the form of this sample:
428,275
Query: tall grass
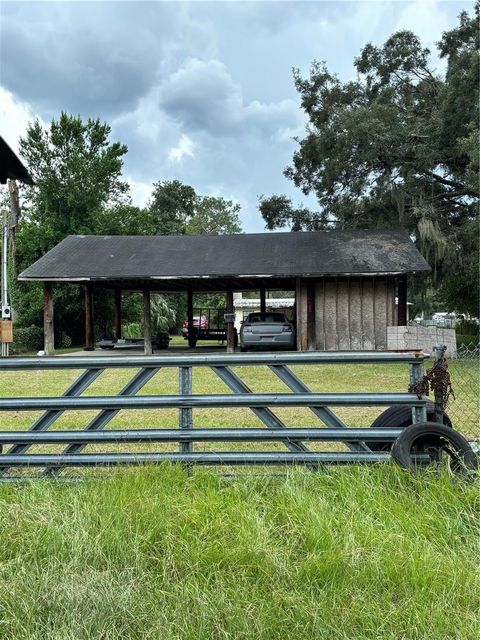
150,553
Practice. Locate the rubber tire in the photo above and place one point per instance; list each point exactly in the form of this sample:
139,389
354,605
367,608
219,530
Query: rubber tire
243,349
398,418
426,433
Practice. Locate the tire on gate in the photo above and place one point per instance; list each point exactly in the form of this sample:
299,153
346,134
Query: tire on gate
427,435
399,418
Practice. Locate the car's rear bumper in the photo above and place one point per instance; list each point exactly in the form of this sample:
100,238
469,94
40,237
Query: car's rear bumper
279,340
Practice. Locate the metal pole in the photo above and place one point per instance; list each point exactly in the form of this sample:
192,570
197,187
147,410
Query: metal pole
439,353
417,371
4,272
185,416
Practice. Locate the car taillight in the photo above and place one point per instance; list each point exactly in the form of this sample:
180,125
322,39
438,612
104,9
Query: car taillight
247,328
286,328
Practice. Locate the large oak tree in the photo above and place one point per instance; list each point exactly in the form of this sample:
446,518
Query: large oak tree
396,147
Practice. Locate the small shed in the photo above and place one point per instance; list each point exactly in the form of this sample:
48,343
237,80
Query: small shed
345,282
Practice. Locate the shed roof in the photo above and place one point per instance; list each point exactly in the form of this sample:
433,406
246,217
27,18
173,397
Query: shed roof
239,256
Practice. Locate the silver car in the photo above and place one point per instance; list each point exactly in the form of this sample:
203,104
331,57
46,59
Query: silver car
266,330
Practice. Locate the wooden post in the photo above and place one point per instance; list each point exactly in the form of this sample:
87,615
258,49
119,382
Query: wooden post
402,302
88,318
147,323
311,342
48,342
230,325
298,314
263,302
192,341
117,320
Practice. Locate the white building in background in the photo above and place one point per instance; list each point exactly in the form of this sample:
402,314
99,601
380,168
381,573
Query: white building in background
244,306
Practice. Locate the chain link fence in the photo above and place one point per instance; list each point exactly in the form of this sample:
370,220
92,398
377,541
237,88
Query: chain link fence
464,409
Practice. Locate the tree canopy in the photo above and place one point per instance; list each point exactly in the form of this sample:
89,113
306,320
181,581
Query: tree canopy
396,147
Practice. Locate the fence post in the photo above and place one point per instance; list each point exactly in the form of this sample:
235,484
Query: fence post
439,353
185,416
417,371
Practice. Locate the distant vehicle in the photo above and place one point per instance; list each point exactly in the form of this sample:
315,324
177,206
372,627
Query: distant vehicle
444,319
199,322
266,330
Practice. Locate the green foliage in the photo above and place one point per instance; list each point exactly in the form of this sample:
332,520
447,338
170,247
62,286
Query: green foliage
27,339
176,209
132,330
172,204
396,147
125,219
278,211
162,313
77,174
214,216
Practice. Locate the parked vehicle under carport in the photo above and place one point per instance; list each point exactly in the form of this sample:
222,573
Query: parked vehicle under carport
269,330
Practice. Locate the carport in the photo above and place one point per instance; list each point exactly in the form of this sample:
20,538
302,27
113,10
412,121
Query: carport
345,282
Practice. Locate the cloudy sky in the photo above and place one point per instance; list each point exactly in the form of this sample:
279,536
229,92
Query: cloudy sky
199,91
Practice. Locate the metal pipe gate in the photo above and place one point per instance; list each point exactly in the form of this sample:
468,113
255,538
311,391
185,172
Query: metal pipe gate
332,429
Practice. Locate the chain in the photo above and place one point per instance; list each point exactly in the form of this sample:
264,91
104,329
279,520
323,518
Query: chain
438,380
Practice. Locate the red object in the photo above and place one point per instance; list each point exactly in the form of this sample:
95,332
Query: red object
198,322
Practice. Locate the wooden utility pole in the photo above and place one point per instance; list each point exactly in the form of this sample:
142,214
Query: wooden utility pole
14,218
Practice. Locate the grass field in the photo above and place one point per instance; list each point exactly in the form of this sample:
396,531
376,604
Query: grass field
358,553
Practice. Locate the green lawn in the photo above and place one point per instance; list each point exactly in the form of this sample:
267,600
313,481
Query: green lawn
357,553
352,553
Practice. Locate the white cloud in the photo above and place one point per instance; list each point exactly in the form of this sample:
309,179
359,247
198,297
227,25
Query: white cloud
14,116
140,191
183,149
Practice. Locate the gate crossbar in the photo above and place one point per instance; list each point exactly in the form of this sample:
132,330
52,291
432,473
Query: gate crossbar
261,404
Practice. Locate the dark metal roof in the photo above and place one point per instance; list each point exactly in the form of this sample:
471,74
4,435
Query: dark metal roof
10,165
265,255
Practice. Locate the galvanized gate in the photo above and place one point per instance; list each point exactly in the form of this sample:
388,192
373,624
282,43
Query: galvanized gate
331,427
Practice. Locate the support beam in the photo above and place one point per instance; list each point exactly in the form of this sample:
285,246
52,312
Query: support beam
117,320
147,323
402,302
230,325
49,342
192,341
263,302
311,342
298,314
88,318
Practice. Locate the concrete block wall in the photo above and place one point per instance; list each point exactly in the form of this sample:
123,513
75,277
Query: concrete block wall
425,338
